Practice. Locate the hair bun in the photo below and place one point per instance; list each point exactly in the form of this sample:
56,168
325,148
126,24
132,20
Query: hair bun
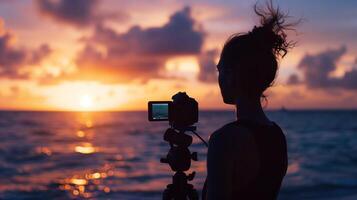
270,35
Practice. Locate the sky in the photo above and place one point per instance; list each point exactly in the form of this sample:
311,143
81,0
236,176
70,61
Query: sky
117,55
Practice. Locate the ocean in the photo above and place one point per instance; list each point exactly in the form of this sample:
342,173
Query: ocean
116,155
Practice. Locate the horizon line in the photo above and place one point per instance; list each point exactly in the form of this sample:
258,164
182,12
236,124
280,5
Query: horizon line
204,110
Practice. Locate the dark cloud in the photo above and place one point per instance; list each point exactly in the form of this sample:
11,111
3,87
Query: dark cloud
79,12
179,36
316,70
76,12
12,59
138,54
94,65
293,79
208,69
38,54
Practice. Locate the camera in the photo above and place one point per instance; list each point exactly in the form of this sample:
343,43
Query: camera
182,111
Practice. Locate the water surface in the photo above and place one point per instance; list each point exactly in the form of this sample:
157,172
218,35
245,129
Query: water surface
115,155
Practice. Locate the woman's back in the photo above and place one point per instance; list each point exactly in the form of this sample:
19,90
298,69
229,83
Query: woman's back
246,160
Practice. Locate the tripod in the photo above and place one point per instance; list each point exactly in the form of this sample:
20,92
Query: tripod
179,158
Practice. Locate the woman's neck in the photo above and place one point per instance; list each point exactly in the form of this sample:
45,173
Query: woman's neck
251,109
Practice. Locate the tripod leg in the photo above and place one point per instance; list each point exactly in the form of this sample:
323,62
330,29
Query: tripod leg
192,194
167,194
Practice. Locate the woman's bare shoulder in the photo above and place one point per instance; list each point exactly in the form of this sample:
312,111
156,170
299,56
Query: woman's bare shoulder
232,134
231,144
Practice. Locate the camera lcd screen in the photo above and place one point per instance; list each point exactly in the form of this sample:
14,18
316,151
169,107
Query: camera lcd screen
159,110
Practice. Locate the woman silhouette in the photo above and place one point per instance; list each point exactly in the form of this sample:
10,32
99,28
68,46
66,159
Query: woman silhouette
247,159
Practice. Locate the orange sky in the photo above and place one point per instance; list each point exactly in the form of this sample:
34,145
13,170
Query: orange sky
111,55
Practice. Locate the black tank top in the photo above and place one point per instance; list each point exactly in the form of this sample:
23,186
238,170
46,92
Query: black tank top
272,151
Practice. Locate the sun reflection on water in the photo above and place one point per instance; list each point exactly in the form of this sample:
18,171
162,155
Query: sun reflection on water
87,185
78,181
89,124
85,119
90,183
44,150
85,148
81,133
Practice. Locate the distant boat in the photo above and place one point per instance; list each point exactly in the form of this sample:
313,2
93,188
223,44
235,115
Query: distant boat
283,109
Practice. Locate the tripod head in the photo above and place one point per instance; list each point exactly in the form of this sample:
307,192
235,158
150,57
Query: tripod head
179,156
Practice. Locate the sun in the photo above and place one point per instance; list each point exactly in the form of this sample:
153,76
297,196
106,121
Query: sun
86,102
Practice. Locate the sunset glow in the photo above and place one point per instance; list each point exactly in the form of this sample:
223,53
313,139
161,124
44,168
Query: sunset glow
183,64
88,62
77,78
86,102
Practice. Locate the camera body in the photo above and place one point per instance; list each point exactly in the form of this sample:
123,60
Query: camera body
181,112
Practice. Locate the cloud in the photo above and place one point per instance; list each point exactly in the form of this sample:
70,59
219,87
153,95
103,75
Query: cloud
75,12
39,54
181,35
12,59
293,79
316,70
138,54
208,69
